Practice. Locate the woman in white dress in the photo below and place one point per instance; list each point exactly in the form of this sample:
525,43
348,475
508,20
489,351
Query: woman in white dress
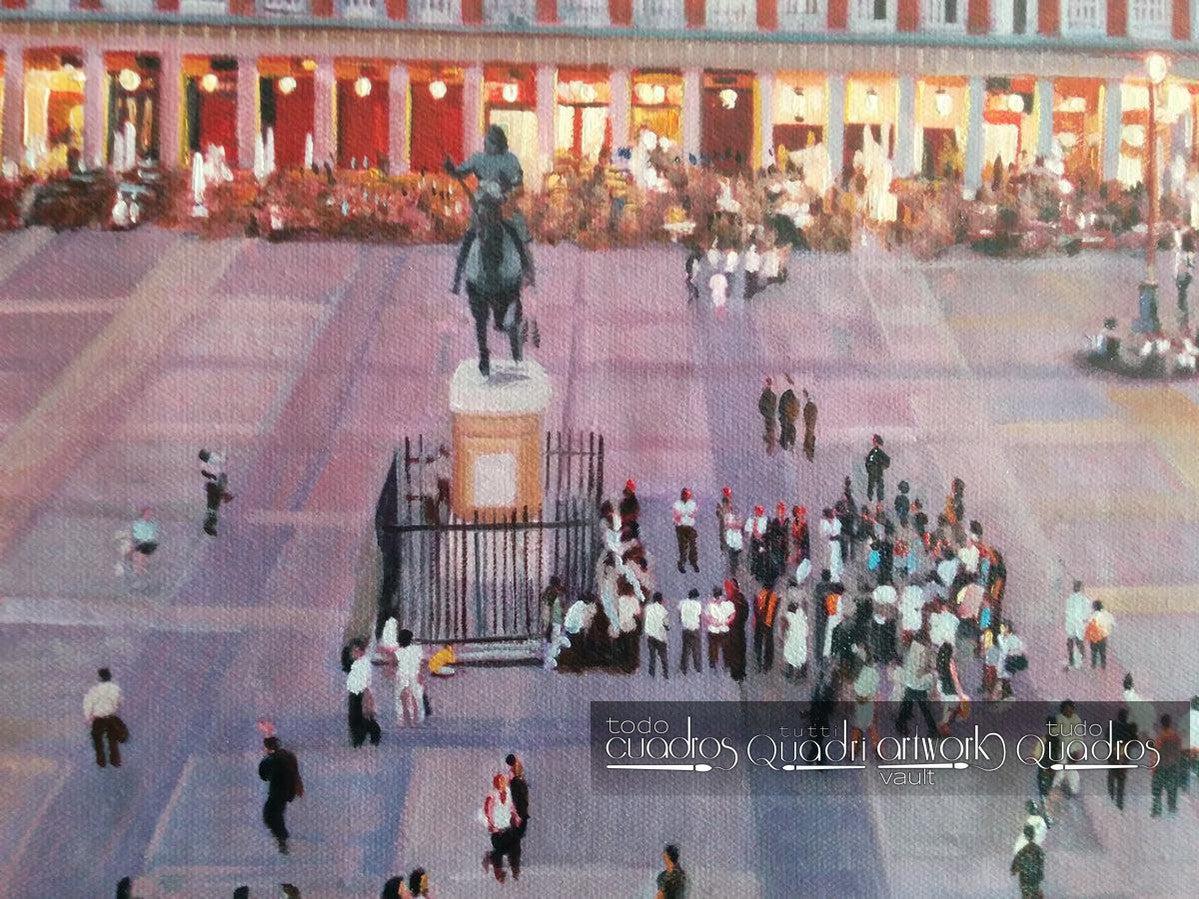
795,641
830,527
410,694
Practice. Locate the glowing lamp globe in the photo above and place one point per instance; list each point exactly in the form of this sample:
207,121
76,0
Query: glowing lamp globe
129,80
287,84
944,102
872,102
728,98
1156,67
510,92
362,87
1015,103
209,82
437,89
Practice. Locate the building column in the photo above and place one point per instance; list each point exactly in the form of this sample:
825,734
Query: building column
14,103
1113,128
977,94
693,85
835,129
472,111
1044,104
764,83
905,127
619,100
547,104
95,78
398,87
247,110
170,104
324,113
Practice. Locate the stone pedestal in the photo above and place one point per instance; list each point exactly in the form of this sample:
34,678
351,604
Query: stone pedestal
498,433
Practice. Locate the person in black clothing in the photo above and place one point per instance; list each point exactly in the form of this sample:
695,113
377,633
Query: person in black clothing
691,271
520,791
919,518
809,428
788,415
216,488
735,648
768,409
1123,733
902,504
281,771
877,462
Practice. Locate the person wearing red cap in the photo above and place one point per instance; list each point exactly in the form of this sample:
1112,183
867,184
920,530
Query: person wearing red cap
630,510
683,512
729,525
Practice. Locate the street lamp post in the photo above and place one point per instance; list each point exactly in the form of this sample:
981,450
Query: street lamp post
1156,67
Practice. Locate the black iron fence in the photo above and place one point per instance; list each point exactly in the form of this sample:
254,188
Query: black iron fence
455,580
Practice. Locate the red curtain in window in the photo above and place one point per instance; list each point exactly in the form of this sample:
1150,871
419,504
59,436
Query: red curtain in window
436,128
361,124
728,134
294,121
218,124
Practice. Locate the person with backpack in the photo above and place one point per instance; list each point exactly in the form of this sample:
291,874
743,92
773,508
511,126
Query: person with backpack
281,771
1098,629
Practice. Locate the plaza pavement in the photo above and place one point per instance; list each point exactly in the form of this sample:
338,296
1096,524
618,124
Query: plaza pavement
122,354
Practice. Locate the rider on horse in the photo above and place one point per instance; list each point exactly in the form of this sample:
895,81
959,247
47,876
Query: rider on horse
498,166
494,258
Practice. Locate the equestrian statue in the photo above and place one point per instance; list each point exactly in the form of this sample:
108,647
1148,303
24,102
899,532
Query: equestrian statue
494,258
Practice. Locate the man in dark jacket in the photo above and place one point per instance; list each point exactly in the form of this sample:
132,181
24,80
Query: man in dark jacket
809,427
768,408
877,462
1028,865
281,771
519,788
788,415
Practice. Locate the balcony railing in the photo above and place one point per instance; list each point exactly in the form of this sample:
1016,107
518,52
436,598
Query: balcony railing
873,15
584,13
943,15
658,14
283,7
732,15
802,15
128,7
1149,18
1084,17
362,10
435,12
510,13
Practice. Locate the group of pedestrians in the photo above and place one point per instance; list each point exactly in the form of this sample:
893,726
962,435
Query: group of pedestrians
506,813
760,265
781,413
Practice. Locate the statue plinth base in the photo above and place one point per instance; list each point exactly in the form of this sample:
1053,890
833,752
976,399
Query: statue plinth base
498,433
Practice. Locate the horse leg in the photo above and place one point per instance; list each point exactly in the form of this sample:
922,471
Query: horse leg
480,312
516,338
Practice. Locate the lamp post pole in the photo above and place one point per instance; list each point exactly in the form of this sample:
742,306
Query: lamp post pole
1148,321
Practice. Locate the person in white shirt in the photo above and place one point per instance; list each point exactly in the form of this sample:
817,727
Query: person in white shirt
216,487
1011,647
1098,630
753,264
100,706
361,701
1078,612
795,636
1035,820
409,695
947,569
579,616
911,611
943,625
770,265
730,529
503,824
720,613
885,595
968,556
1140,711
656,625
830,527
690,610
683,514
718,286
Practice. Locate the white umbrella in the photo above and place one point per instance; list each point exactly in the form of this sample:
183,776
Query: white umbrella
270,150
259,157
198,186
308,150
130,145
